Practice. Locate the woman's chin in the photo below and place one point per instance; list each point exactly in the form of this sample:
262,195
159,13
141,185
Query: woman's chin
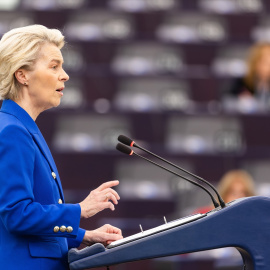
57,102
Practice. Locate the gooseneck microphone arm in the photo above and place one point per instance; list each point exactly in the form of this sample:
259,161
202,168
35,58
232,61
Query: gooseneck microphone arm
126,150
127,141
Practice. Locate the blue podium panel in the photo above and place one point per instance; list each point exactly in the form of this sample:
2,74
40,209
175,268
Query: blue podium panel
243,224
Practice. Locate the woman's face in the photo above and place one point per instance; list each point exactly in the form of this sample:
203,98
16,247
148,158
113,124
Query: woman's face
236,191
263,65
46,80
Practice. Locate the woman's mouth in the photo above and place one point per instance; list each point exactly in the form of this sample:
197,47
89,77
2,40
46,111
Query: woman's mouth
60,91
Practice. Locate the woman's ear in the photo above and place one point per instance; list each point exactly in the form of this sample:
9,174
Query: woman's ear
21,76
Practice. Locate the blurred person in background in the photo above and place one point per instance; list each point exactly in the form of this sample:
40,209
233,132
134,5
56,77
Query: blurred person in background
256,82
233,185
36,227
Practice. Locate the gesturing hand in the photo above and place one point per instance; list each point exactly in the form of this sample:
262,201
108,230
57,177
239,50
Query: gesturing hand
104,235
99,199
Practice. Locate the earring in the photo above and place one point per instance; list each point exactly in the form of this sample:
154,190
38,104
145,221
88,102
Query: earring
25,83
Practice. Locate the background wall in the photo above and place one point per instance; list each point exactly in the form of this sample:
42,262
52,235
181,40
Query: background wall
158,71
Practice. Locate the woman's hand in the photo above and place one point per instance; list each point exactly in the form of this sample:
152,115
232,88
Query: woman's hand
99,199
104,235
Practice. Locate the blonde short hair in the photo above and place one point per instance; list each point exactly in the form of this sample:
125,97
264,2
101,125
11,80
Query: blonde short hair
236,176
255,54
19,48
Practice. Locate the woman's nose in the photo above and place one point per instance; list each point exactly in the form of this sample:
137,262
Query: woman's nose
64,76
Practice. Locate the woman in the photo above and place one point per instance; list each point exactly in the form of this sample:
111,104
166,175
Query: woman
256,81
234,184
36,226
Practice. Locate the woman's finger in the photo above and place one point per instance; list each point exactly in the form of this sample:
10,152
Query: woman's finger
110,190
110,197
112,236
108,204
108,185
115,230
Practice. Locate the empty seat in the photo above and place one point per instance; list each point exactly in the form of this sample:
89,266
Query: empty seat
260,171
147,58
12,20
143,5
230,61
89,133
142,180
192,28
261,32
99,25
52,4
231,6
152,94
204,134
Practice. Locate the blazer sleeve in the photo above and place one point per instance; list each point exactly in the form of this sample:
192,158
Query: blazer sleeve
18,209
74,243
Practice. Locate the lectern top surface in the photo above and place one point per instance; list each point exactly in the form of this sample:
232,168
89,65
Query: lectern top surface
155,230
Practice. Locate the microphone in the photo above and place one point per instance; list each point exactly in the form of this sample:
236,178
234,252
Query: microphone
128,151
127,141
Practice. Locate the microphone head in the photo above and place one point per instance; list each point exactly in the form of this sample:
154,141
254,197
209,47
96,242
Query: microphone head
125,140
124,149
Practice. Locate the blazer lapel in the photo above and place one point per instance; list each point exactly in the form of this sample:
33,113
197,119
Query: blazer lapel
41,143
10,107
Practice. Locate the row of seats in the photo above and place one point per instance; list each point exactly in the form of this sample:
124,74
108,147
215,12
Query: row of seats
175,27
142,183
134,6
176,133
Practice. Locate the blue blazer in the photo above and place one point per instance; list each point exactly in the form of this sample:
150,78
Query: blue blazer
33,215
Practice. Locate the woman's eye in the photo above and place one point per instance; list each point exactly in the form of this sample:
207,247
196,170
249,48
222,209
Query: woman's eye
54,67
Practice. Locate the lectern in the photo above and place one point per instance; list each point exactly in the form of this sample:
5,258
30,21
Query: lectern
243,224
